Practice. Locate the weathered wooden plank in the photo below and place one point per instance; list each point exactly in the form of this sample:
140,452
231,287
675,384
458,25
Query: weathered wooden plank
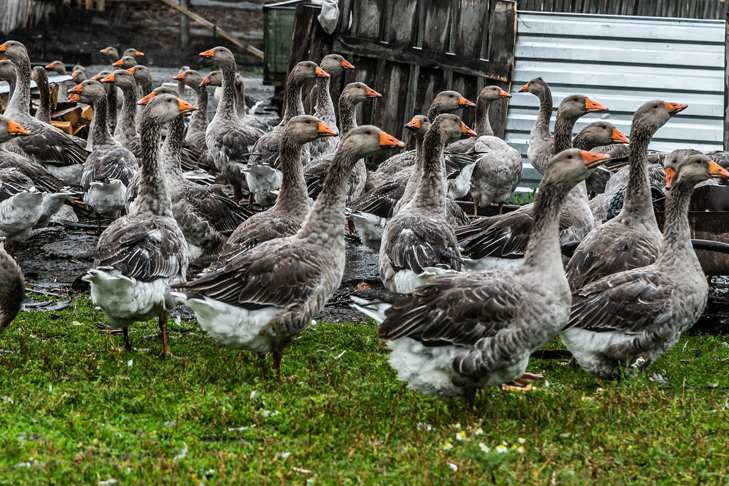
366,19
469,32
726,82
437,25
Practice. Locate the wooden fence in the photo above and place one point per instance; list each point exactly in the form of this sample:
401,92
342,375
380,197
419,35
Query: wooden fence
409,50
698,9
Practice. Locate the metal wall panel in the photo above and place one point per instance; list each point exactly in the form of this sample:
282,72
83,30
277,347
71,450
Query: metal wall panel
622,62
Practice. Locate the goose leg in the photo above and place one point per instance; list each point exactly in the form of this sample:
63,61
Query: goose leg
263,364
469,396
277,355
127,341
165,337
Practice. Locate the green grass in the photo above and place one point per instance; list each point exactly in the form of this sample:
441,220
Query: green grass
76,408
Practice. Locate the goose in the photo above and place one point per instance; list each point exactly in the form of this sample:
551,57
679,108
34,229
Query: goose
335,65
12,288
79,74
419,235
626,320
443,102
506,235
205,214
113,54
43,113
541,141
143,77
57,67
126,129
112,103
227,139
141,254
110,166
486,97
125,62
631,239
7,74
292,204
461,331
199,121
267,149
352,95
60,153
264,297
496,174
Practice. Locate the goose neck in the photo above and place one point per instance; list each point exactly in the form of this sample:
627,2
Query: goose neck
294,105
676,248
638,202
546,105
430,189
483,123
153,197
44,108
324,103
172,146
100,134
128,112
347,115
227,108
293,195
20,101
563,133
199,119
543,249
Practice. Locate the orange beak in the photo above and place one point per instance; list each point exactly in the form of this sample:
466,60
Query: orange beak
74,75
618,136
138,53
670,175
464,102
74,97
467,131
208,54
718,171
320,73
49,66
118,63
346,64
504,94
524,88
3,47
109,79
388,141
323,130
674,108
76,89
371,93
184,106
592,105
593,159
180,76
147,99
132,70
414,123
14,128
205,81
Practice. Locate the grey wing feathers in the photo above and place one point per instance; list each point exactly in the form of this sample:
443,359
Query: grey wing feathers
415,243
505,236
12,182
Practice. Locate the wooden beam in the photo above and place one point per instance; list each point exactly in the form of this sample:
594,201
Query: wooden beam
222,33
726,82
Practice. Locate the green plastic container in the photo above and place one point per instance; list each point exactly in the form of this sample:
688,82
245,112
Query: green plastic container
278,28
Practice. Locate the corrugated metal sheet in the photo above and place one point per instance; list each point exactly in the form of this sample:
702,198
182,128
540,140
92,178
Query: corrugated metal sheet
622,62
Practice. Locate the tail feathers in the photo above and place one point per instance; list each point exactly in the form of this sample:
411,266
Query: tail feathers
373,309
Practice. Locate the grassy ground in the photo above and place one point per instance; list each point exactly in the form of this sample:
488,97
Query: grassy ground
76,408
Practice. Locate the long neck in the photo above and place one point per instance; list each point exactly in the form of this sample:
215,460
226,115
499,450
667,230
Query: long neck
546,106
111,108
11,87
101,129
173,145
227,107
128,112
293,100
430,190
324,103
563,133
543,250
20,101
638,201
293,195
347,115
44,107
414,178
153,196
677,232
240,100
326,219
483,123
199,120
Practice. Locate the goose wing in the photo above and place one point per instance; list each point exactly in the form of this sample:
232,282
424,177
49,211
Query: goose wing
416,242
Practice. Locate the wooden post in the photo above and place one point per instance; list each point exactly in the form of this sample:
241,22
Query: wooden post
726,82
502,44
184,26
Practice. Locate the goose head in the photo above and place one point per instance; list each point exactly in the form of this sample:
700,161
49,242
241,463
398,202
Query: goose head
222,56
686,170
653,115
87,92
10,128
602,133
125,62
110,52
38,74
492,93
419,124
141,74
78,74
368,140
572,166
575,106
121,78
335,64
14,50
306,70
536,86
450,127
132,52
190,77
306,128
7,70
450,101
213,78
56,67
164,107
358,92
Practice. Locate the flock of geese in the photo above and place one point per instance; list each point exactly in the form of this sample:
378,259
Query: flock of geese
467,300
